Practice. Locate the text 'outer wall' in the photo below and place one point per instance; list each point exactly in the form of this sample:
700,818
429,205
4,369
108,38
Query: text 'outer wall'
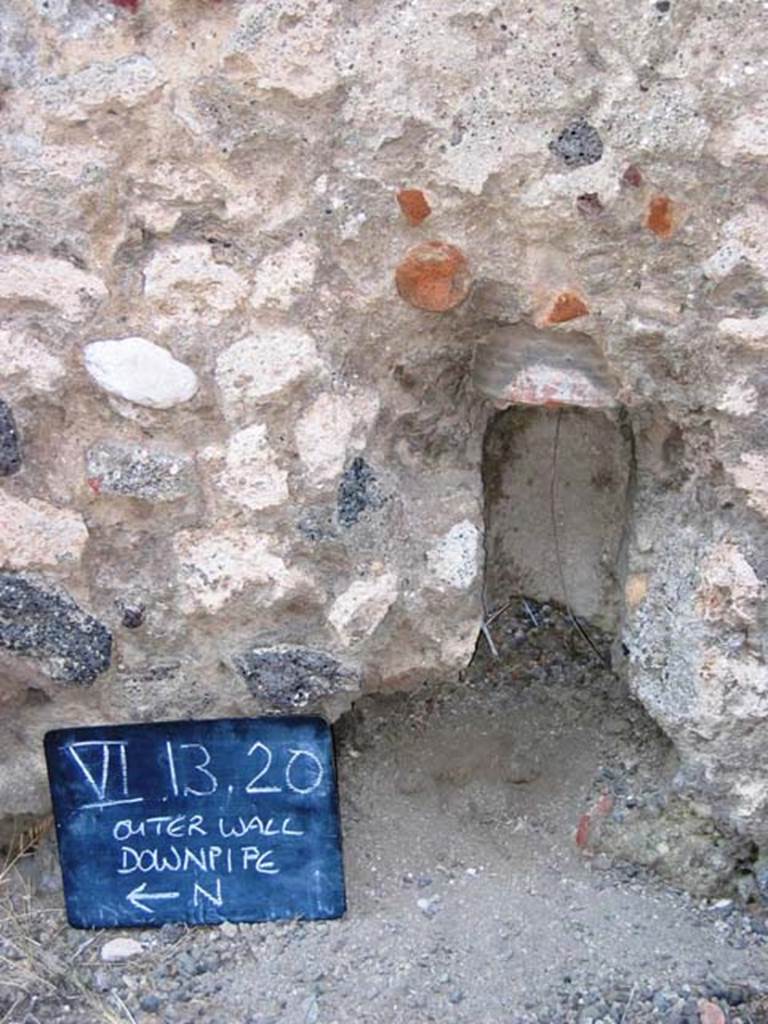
198,822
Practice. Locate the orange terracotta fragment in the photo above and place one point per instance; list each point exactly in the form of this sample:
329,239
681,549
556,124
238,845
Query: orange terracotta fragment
566,306
636,589
710,1013
433,276
661,217
414,205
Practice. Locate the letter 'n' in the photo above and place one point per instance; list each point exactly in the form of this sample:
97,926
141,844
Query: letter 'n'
199,891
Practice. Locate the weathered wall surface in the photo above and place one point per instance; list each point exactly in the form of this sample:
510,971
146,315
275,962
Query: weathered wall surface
242,466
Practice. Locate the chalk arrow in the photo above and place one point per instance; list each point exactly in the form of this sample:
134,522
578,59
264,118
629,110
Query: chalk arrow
138,897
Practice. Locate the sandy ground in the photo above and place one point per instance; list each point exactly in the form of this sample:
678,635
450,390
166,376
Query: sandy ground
469,900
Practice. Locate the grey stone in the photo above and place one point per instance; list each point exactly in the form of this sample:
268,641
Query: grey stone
317,524
292,677
578,144
150,1003
495,301
136,472
45,623
18,49
10,448
760,870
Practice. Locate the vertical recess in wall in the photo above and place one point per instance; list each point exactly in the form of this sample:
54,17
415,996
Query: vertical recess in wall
588,503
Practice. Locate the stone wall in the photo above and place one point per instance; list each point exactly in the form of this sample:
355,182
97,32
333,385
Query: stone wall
240,441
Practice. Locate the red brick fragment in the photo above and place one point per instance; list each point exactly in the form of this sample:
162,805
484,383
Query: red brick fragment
414,205
567,305
582,831
660,217
95,484
433,276
131,5
632,176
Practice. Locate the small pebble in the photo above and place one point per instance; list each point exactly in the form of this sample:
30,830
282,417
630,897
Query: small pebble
428,907
710,1013
120,949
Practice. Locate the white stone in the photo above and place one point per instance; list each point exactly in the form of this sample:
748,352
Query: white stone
745,138
251,475
36,533
158,218
122,83
454,560
744,237
185,282
140,371
738,684
258,367
333,426
603,177
729,585
739,398
55,284
285,275
752,476
217,565
26,366
120,949
358,611
289,48
752,331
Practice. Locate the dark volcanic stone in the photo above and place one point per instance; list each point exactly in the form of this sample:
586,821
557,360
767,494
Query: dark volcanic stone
291,677
578,144
47,624
133,616
357,492
10,449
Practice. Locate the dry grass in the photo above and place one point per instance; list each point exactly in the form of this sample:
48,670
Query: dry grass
22,845
34,976
41,970
756,1011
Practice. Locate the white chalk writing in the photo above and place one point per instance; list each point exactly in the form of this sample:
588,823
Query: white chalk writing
315,772
252,787
103,765
199,891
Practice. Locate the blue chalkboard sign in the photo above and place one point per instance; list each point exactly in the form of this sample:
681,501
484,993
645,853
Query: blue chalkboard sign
198,822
